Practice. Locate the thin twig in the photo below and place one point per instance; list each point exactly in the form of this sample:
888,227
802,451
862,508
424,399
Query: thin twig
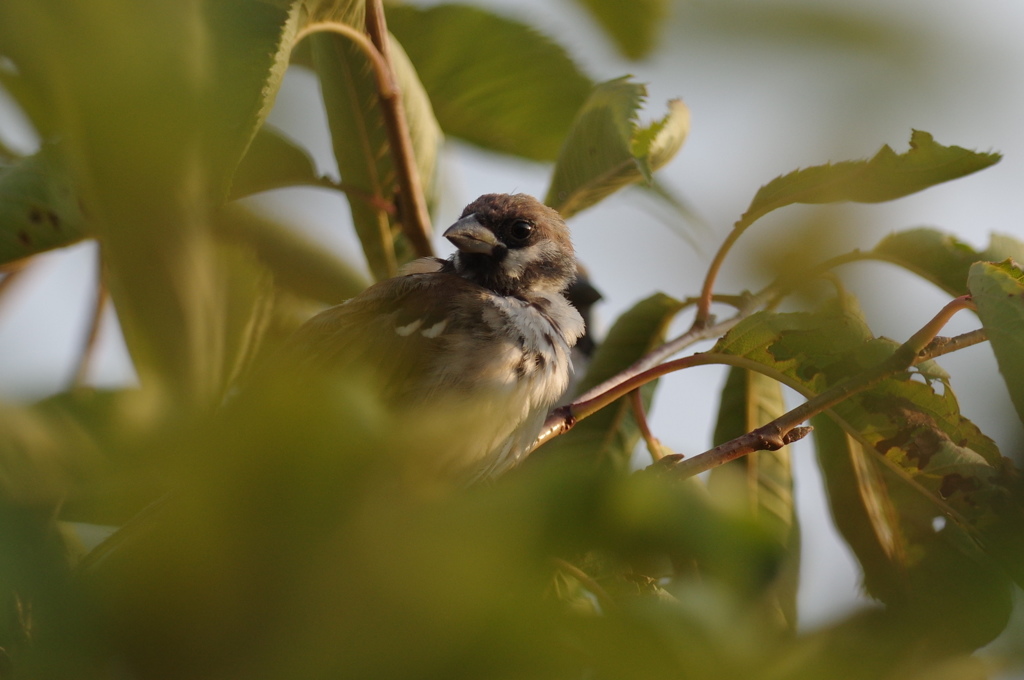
587,581
12,271
654,445
85,357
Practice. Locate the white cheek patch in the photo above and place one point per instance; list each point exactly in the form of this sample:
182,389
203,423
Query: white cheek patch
518,259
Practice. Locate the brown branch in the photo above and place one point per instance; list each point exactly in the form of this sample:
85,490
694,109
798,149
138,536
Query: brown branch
785,429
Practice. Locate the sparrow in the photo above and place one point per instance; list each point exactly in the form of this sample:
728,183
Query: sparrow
485,335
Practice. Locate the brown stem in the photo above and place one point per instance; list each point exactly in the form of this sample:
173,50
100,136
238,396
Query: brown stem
415,216
85,357
586,581
654,446
12,271
703,317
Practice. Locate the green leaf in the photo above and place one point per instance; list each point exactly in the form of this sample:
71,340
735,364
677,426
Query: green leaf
935,462
609,436
361,145
942,258
607,149
519,96
760,482
298,265
632,25
251,49
998,290
862,509
884,177
273,161
39,207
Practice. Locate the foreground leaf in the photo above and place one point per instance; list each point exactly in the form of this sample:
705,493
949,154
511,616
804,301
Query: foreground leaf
884,177
517,96
272,162
607,150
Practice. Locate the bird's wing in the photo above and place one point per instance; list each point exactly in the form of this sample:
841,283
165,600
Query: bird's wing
397,329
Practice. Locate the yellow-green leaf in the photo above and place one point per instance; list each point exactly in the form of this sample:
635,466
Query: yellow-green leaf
607,149
884,177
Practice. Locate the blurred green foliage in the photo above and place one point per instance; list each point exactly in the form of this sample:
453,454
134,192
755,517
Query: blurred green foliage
291,529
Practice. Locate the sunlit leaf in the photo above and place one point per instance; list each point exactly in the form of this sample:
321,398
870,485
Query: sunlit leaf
633,26
607,149
609,436
39,207
884,177
518,96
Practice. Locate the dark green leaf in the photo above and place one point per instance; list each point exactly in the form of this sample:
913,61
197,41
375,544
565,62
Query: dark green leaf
517,96
861,506
885,177
998,290
632,25
761,483
39,207
941,258
607,149
609,436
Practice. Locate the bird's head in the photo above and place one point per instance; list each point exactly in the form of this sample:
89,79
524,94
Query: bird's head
513,244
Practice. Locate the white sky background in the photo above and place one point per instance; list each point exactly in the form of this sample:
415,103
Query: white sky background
763,103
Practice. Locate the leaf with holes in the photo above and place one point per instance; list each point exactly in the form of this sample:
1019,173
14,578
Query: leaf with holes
39,207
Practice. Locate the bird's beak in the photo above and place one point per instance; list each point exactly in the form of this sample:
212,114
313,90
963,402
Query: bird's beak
469,236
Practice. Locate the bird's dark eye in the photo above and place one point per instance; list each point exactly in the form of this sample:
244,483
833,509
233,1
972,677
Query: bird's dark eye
520,231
